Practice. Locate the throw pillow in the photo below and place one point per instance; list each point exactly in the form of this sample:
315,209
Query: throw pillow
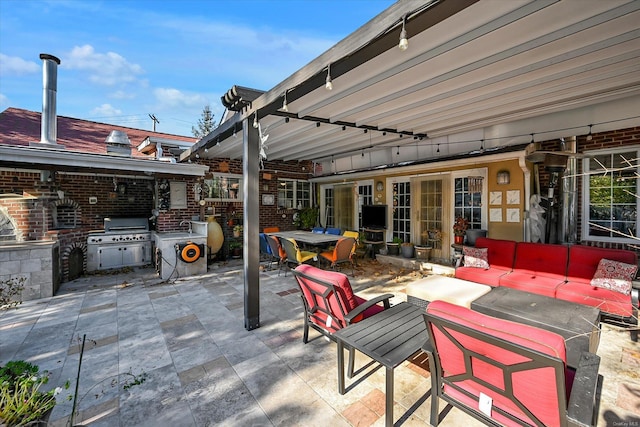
475,257
614,275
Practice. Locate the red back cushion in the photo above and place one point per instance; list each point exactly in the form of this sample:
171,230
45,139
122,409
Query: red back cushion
542,257
341,283
583,260
535,388
500,252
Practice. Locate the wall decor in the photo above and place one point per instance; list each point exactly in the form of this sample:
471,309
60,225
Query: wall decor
513,197
495,198
495,214
268,199
513,215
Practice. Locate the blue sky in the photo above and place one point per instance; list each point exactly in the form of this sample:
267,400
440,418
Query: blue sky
123,60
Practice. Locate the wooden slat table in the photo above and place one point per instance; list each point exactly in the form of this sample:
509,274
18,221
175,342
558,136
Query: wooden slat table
389,338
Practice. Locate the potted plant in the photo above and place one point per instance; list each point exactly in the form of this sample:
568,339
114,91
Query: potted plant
407,249
459,229
21,400
235,247
393,247
306,218
237,231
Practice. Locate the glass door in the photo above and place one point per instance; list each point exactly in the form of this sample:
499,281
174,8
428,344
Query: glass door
430,214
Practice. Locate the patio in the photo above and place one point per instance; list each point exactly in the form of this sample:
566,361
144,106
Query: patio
204,368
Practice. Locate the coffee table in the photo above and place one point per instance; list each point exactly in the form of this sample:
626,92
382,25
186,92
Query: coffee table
578,324
389,337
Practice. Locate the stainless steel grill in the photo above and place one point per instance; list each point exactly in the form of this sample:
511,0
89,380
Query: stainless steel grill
124,242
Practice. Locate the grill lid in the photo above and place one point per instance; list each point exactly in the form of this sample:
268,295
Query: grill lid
119,225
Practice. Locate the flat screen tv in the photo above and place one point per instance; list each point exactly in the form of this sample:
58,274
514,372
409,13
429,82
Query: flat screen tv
374,216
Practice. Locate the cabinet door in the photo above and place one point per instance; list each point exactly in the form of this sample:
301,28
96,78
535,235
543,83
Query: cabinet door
110,257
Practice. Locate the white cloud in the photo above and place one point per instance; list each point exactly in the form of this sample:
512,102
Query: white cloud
4,102
173,98
122,94
106,110
107,69
13,65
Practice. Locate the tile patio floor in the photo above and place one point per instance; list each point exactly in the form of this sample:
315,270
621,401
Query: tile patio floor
203,368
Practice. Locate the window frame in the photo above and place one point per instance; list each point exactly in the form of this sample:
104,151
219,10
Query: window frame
239,190
297,202
586,199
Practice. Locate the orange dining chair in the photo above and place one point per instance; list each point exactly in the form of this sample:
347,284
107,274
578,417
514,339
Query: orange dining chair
343,252
271,229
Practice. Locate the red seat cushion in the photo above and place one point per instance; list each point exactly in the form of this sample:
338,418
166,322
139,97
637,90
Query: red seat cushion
535,388
490,276
608,301
345,293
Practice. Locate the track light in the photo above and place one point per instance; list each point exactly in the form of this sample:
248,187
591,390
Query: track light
404,42
363,152
206,150
365,131
531,139
255,120
285,107
286,119
398,152
482,144
317,124
328,85
384,133
438,150
589,135
344,127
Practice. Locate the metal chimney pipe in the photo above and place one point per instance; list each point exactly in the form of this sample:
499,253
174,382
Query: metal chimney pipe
49,127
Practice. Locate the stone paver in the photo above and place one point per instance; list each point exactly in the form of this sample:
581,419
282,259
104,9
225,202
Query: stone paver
203,368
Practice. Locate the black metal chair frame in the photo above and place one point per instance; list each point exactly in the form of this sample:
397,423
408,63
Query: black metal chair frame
274,245
324,296
580,410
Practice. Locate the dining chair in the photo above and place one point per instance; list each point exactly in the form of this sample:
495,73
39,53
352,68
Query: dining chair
343,252
357,250
294,255
333,230
265,249
278,255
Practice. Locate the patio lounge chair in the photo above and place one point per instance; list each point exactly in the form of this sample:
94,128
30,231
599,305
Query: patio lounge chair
506,373
330,304
342,252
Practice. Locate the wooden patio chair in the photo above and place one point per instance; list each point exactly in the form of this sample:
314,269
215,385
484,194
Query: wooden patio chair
330,304
341,253
506,373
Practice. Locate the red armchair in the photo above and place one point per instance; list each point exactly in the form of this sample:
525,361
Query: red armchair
330,304
506,373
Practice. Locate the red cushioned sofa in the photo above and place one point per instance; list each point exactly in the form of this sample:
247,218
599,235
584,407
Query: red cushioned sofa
556,271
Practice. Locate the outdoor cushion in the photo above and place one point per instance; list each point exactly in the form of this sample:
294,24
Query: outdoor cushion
345,293
535,388
614,275
584,260
500,253
604,299
475,257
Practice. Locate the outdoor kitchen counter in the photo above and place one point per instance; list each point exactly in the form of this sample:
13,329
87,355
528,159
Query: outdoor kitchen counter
170,246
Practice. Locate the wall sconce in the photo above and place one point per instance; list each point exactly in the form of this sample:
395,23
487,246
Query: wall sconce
504,177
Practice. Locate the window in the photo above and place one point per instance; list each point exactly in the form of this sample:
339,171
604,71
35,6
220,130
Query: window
366,198
467,199
294,194
611,200
401,218
328,203
223,186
